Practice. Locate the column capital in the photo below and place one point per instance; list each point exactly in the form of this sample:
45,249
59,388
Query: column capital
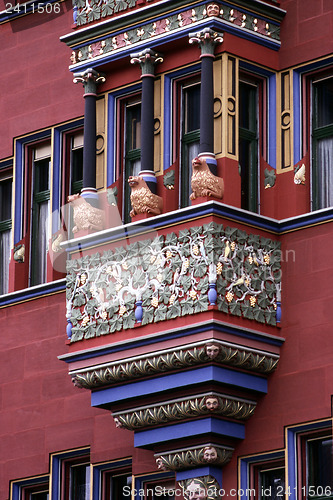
90,78
207,39
147,59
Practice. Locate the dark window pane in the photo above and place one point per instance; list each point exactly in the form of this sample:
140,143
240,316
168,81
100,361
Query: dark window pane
323,92
320,464
192,108
118,490
272,484
5,199
247,106
80,482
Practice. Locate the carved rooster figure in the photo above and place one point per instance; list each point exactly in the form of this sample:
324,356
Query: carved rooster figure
85,215
203,182
142,199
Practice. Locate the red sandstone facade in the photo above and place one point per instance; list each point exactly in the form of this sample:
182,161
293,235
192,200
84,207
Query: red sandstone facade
117,406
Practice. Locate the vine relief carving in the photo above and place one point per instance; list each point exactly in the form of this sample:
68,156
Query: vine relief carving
171,276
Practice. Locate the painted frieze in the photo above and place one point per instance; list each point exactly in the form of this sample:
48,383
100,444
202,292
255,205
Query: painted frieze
171,276
92,10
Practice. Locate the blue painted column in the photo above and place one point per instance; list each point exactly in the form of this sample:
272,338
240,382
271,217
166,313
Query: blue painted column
90,79
207,40
147,60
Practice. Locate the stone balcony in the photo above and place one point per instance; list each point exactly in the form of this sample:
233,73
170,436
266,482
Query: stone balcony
173,325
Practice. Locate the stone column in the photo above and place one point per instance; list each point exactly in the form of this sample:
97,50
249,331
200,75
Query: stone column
147,60
90,78
207,39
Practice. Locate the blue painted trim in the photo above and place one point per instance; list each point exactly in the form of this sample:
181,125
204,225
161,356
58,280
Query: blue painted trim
18,485
56,188
33,292
111,133
292,458
245,469
56,461
97,474
234,214
192,377
19,164
208,470
111,137
297,96
196,428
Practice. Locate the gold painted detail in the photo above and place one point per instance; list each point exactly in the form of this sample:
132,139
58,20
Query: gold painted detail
85,215
194,456
163,26
203,182
142,199
185,408
177,358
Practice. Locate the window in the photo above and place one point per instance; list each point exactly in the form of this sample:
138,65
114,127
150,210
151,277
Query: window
76,163
129,152
40,157
163,490
263,476
117,485
319,467
36,488
248,143
5,228
78,482
271,483
322,142
189,97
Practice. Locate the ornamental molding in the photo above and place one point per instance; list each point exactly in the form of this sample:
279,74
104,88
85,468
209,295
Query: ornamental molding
172,276
178,358
120,37
199,405
194,456
203,488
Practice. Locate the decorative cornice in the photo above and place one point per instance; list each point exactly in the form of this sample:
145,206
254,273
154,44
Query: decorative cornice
199,405
194,456
175,358
166,26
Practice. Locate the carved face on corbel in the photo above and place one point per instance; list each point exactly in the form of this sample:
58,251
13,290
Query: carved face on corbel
117,422
210,454
212,350
213,9
196,490
160,464
212,403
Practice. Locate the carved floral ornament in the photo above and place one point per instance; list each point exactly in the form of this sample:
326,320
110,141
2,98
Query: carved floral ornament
194,456
86,11
176,358
201,488
171,276
184,408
